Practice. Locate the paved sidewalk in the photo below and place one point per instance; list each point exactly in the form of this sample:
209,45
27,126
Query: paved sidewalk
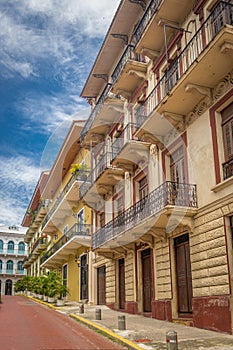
146,333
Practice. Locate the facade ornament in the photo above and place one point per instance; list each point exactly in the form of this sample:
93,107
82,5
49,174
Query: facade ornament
151,54
203,90
123,37
101,76
139,74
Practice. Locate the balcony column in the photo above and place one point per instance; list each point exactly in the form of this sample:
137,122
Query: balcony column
127,115
154,167
108,210
128,190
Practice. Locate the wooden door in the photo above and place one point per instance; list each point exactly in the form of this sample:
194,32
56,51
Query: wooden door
101,285
184,277
146,280
121,283
84,277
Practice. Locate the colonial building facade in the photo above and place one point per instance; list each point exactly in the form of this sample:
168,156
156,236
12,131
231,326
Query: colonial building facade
12,253
160,137
59,233
158,193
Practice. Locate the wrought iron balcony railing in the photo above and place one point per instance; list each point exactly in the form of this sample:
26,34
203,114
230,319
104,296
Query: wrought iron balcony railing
40,241
219,17
168,194
95,111
125,136
149,13
81,176
78,229
227,169
129,54
103,163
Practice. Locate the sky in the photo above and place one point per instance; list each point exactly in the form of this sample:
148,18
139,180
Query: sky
47,49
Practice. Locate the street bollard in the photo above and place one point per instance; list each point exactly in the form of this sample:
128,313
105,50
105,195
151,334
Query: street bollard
98,314
121,323
81,309
171,339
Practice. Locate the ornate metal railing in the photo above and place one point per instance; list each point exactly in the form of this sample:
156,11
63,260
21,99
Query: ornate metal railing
81,176
129,54
41,240
168,194
227,169
78,229
125,136
95,111
219,17
149,13
103,163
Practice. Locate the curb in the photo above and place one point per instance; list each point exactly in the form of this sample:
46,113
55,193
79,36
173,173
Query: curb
106,332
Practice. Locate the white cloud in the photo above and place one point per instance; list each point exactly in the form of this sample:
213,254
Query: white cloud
56,28
45,113
19,177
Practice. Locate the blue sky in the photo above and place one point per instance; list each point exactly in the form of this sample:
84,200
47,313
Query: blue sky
47,49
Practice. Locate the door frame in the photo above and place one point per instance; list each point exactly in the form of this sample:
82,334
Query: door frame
175,301
97,284
140,278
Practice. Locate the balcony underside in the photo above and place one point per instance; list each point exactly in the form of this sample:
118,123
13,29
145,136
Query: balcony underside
70,248
108,115
73,193
195,85
132,153
158,226
57,218
103,185
26,264
132,75
39,249
171,13
210,67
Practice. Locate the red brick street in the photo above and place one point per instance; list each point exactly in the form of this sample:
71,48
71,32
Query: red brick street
26,325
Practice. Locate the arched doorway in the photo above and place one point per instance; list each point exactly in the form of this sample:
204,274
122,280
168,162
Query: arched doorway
8,287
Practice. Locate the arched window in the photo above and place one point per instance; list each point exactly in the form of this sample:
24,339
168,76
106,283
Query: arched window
20,267
21,248
9,266
0,266
10,247
1,246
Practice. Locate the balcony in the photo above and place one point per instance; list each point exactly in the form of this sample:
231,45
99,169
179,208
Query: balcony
78,235
151,25
166,206
105,113
204,61
39,246
101,179
26,263
64,202
130,64
127,150
11,272
227,169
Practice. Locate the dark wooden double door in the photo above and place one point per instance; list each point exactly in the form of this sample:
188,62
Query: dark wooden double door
147,281
184,276
101,285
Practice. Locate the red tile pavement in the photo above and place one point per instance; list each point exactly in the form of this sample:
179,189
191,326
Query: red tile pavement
26,325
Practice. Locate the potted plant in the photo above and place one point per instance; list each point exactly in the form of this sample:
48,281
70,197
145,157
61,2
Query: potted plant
79,170
61,292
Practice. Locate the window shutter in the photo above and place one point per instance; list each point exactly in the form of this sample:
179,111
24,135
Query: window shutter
227,128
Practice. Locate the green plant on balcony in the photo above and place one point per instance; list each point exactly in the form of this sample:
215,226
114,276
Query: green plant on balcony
32,214
79,170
